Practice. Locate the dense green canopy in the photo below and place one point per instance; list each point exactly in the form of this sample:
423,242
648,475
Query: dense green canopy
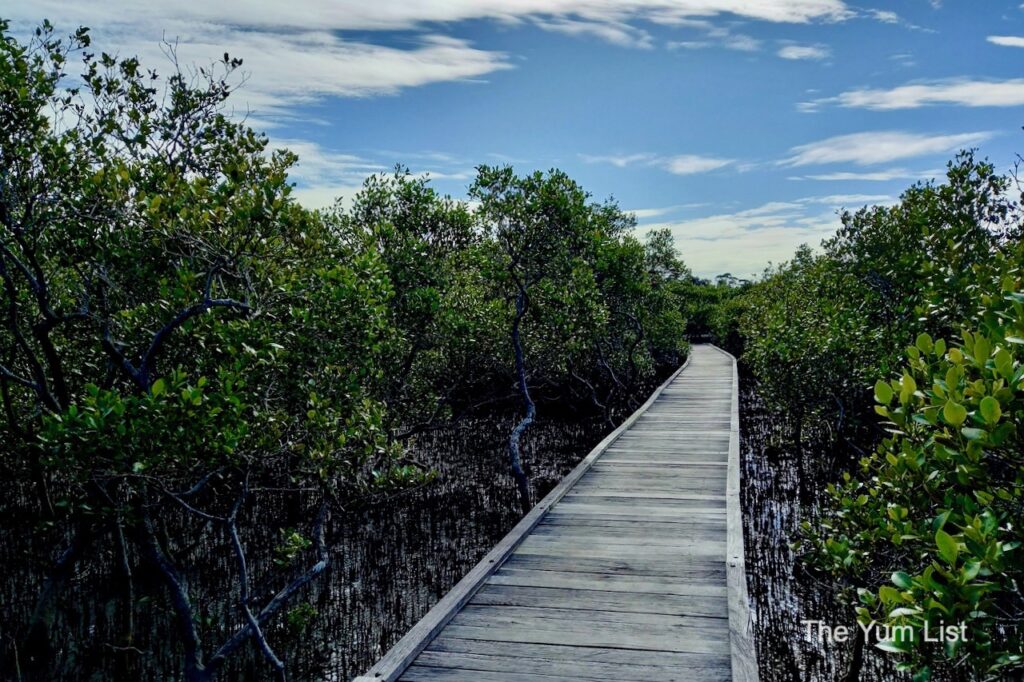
177,333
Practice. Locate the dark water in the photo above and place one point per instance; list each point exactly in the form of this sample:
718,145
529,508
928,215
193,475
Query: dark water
783,592
390,562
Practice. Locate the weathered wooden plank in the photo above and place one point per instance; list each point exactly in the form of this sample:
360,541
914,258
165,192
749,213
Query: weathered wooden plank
611,582
641,509
426,673
611,635
613,529
665,464
636,515
661,534
695,549
555,652
600,600
671,479
697,666
546,616
668,453
705,570
699,493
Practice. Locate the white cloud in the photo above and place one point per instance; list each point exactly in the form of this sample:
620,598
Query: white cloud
403,15
716,36
682,164
958,92
317,162
326,196
850,200
735,41
890,17
885,16
619,160
288,68
744,242
298,51
807,52
642,213
324,175
878,147
903,59
1007,41
872,176
616,33
689,164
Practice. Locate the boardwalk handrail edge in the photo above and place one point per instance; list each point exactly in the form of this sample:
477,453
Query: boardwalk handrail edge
741,628
405,651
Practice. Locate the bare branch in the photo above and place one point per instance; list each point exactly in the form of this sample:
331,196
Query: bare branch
243,587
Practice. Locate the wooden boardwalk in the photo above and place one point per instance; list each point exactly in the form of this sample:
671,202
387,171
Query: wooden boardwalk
631,569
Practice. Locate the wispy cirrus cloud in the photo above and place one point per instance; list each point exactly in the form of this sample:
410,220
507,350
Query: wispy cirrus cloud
804,52
886,175
324,175
885,16
839,201
688,164
287,69
715,36
616,33
390,15
619,160
681,164
305,50
869,148
958,92
734,41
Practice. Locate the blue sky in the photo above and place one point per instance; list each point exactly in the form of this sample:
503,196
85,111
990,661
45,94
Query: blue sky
743,125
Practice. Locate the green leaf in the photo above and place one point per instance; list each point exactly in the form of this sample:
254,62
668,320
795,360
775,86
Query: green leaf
902,580
883,392
159,387
924,342
971,569
990,409
889,595
907,388
954,413
893,646
982,349
972,434
948,547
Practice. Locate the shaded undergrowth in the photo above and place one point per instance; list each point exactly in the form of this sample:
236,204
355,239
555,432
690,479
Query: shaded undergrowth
783,485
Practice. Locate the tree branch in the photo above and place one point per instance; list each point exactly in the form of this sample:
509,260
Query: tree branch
243,587
279,599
